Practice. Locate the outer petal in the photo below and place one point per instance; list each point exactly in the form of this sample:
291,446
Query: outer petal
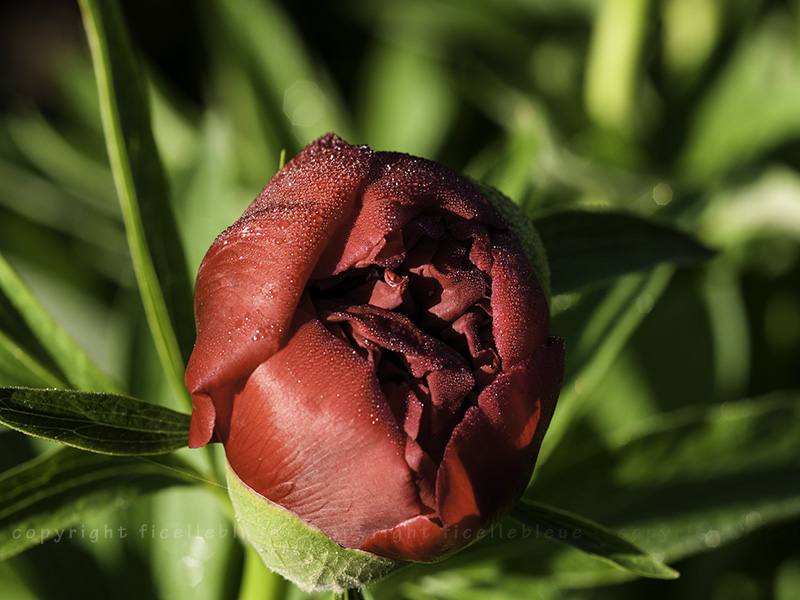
249,283
519,308
312,431
400,188
418,539
490,457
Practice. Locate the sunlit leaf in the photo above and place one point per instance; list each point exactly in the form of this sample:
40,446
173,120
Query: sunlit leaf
105,423
588,247
617,42
153,238
49,351
204,545
689,481
257,581
300,102
47,148
767,207
598,329
592,538
18,367
43,498
408,103
731,125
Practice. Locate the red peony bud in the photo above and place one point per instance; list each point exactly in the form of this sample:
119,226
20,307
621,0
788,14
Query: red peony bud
373,351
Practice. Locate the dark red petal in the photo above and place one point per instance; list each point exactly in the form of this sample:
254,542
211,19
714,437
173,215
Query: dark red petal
490,457
485,362
203,417
399,188
457,291
250,281
389,292
445,370
419,182
424,470
418,539
519,307
312,432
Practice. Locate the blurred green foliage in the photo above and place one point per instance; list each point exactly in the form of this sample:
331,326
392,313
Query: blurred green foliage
685,111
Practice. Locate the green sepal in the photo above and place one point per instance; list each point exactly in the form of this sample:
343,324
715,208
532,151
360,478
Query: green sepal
299,551
524,231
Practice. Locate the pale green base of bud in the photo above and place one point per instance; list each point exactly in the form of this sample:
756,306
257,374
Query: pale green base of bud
521,227
299,551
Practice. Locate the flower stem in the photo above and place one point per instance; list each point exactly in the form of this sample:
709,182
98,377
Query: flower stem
258,582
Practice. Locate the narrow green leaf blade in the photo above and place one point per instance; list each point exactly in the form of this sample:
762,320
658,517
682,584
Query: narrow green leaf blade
599,328
287,76
104,423
592,538
31,335
589,247
42,498
155,245
18,367
690,481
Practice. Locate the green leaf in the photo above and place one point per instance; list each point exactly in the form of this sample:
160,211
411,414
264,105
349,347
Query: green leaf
104,423
612,66
43,498
57,156
295,92
730,126
92,219
409,102
31,337
155,245
592,538
17,367
689,481
589,247
598,329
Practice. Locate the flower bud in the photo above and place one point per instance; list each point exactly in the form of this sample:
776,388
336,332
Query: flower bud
373,351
